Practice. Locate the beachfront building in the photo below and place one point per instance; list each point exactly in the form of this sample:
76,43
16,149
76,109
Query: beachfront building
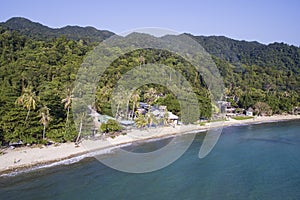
173,119
249,112
98,119
296,111
160,111
226,108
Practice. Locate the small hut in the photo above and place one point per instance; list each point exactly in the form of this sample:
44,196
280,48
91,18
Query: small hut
173,118
249,112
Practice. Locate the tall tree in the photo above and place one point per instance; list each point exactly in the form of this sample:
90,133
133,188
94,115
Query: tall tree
28,100
45,118
150,97
67,101
134,98
262,108
141,121
82,116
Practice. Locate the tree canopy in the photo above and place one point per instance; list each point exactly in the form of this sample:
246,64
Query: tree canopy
37,71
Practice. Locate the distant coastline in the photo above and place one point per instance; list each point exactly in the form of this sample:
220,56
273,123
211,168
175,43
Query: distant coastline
26,158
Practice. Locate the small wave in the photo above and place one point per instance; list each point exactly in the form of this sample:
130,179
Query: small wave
237,125
91,153
67,161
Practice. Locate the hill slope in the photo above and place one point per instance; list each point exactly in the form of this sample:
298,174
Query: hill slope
32,65
278,55
39,31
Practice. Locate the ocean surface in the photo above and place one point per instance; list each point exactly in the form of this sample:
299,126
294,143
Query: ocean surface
249,162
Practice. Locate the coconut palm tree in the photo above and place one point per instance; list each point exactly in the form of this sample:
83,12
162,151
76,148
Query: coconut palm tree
45,118
118,100
150,97
102,97
28,100
166,117
135,98
150,118
80,128
67,101
141,121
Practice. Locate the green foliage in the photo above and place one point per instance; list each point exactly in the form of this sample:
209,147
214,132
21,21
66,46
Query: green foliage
277,86
110,126
241,117
32,74
38,66
150,92
202,123
171,102
39,31
141,121
62,133
262,108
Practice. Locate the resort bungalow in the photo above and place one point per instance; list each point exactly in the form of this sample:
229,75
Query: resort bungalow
173,119
249,112
127,123
296,111
159,113
226,108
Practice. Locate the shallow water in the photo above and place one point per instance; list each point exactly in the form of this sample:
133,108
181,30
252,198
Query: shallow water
249,162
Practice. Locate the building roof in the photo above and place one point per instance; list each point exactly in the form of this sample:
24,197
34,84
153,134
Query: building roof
104,118
250,109
172,116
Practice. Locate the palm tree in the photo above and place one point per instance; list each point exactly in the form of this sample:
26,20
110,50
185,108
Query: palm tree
150,97
118,100
80,128
45,118
135,98
142,61
68,102
102,97
28,99
166,117
150,118
141,121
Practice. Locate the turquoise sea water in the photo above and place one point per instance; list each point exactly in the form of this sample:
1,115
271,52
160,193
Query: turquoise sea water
249,162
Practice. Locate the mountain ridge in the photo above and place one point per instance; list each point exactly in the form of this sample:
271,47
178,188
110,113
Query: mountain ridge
39,31
22,25
252,53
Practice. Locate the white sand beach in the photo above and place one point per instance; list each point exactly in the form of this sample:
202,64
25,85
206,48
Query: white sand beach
27,157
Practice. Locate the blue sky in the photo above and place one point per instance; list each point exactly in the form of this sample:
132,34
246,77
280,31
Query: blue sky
263,21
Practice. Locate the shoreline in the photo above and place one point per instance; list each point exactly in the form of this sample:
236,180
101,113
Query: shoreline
24,159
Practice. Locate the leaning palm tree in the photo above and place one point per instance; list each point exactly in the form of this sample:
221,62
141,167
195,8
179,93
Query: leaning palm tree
118,100
28,100
82,116
166,117
67,101
134,98
45,118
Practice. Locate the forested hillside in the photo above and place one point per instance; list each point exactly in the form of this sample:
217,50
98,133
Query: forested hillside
38,66
255,72
35,77
38,31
